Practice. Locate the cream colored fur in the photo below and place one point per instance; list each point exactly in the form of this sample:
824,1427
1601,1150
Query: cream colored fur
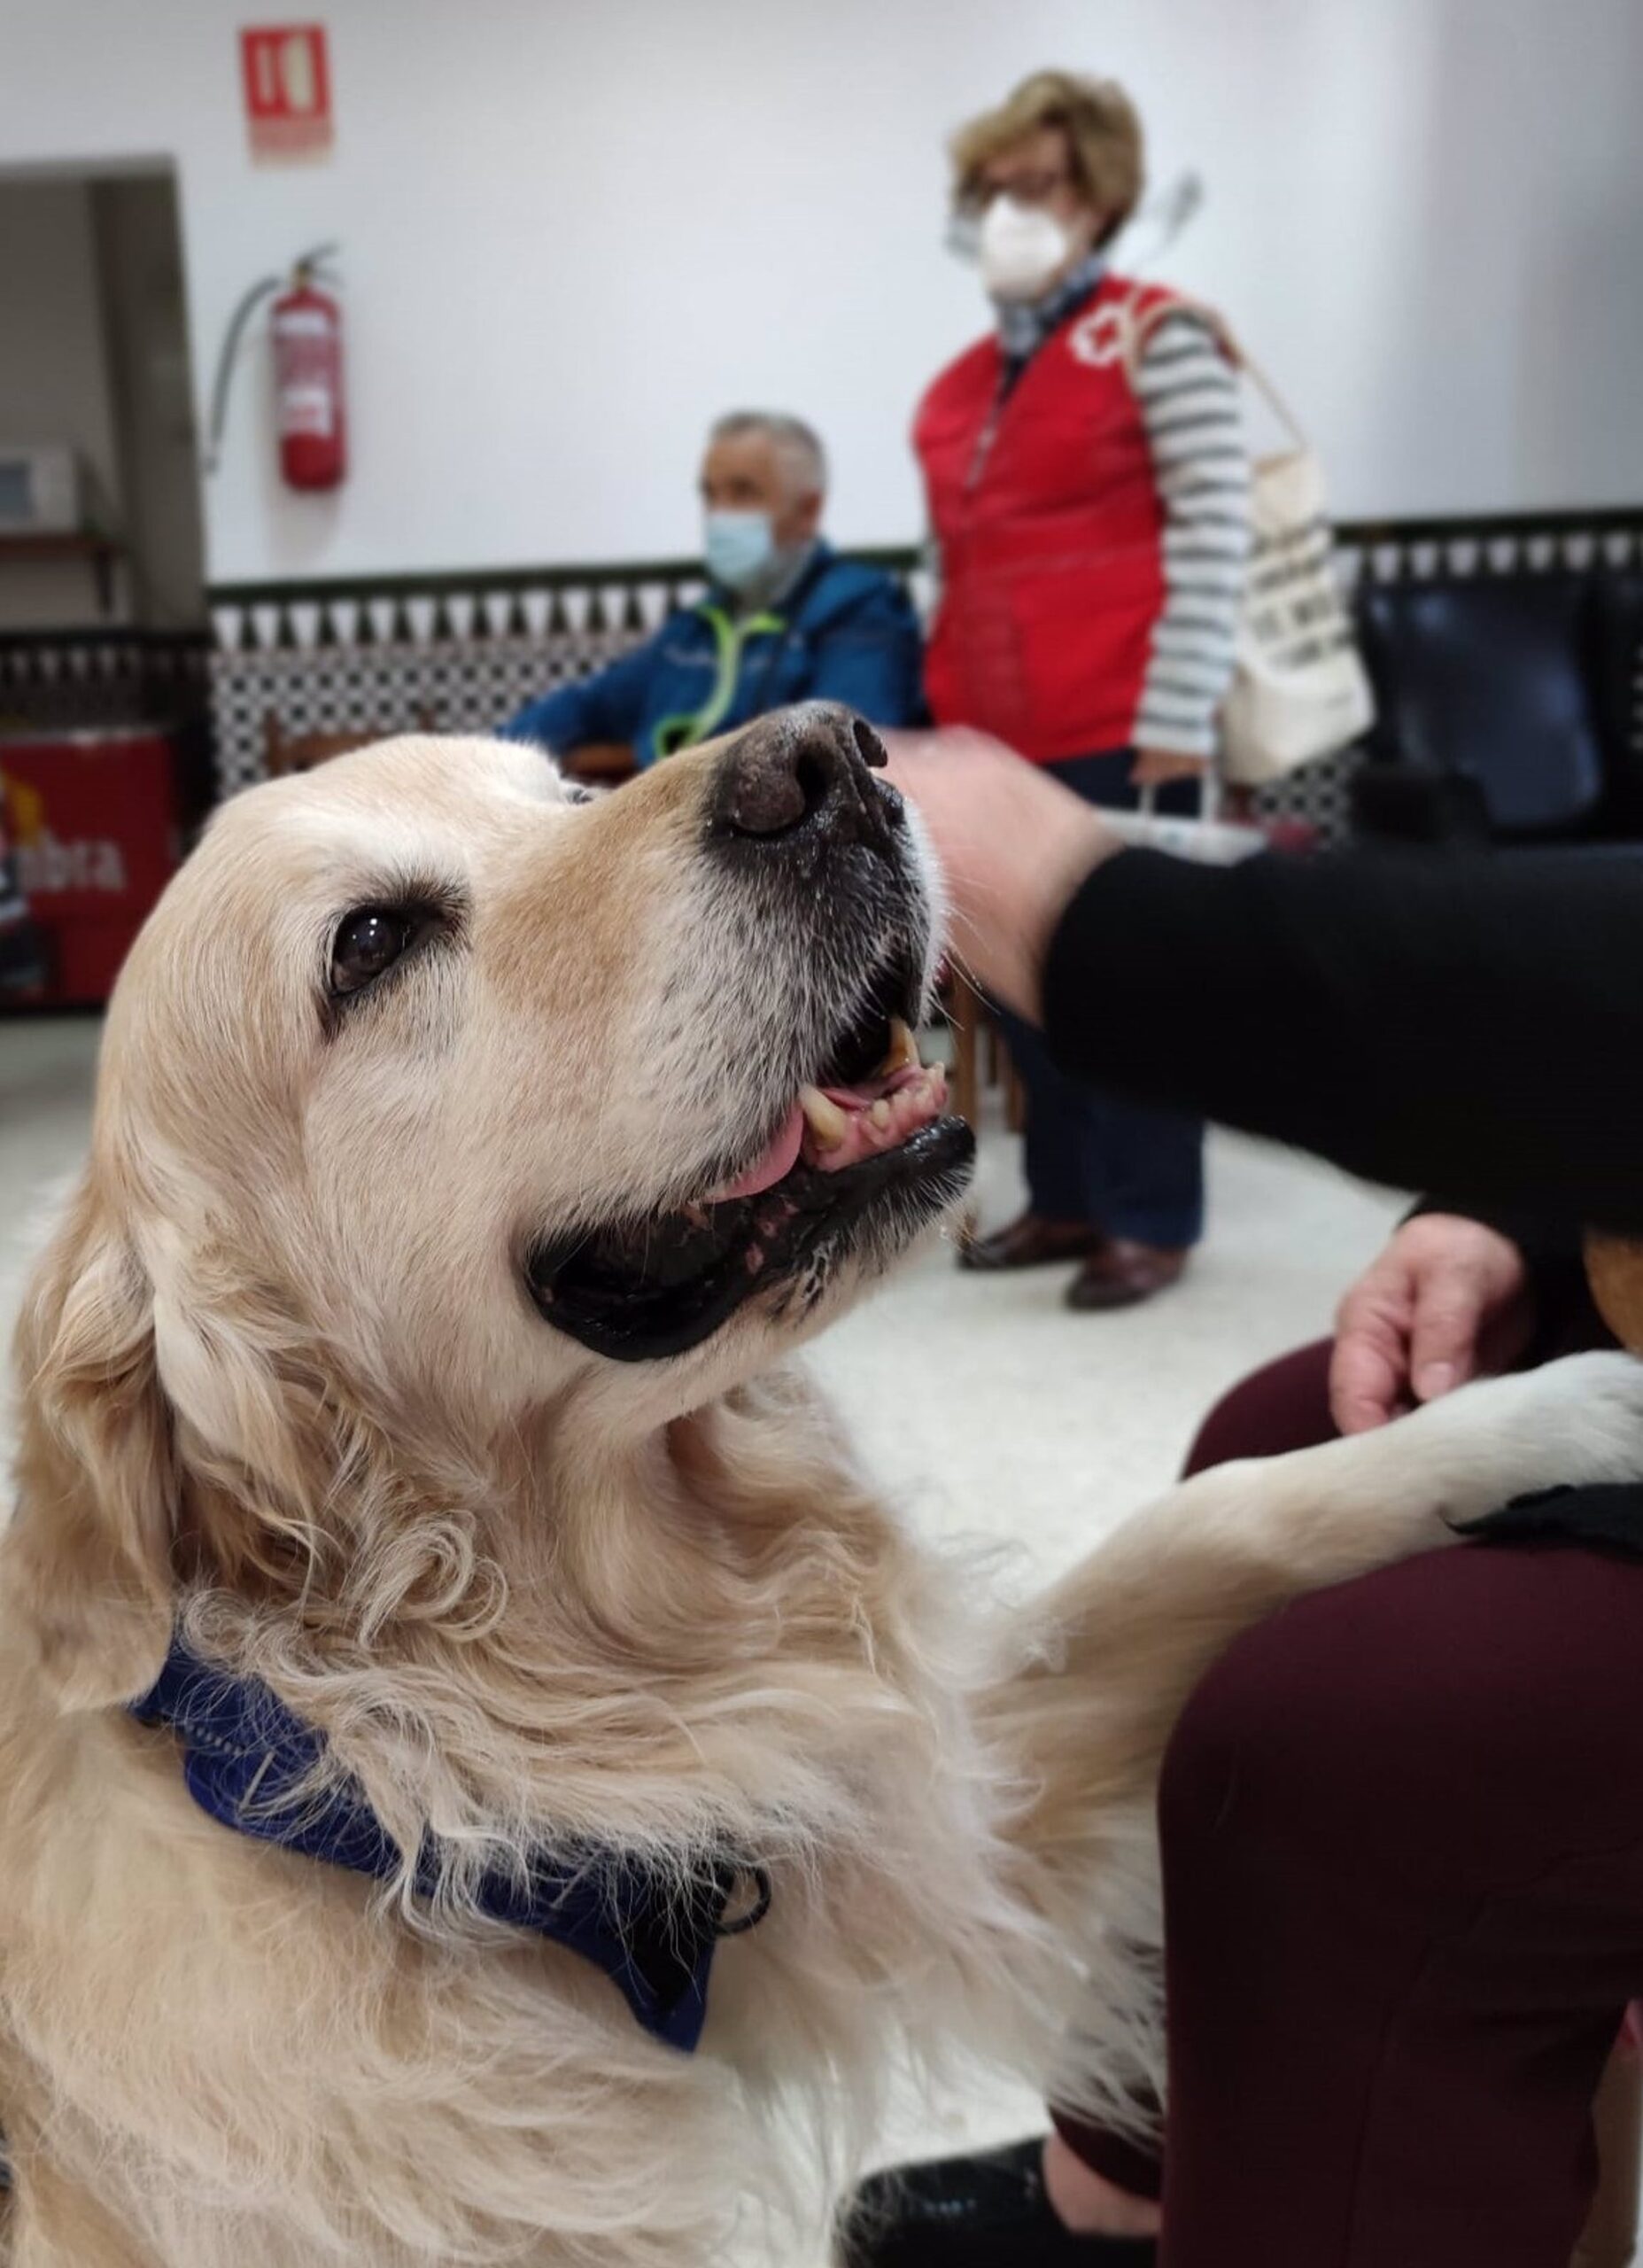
279,1379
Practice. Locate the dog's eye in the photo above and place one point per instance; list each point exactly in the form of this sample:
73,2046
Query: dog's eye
368,940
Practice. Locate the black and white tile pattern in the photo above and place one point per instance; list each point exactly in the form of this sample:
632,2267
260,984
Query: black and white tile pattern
463,662
448,687
459,654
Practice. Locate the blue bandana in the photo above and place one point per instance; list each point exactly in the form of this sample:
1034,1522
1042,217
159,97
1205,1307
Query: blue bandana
651,1929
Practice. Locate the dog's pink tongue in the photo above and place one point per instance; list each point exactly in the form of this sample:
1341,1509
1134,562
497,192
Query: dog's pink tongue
777,1161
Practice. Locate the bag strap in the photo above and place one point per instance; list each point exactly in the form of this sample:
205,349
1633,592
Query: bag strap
1138,329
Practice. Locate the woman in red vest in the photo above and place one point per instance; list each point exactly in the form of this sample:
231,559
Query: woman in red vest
1088,491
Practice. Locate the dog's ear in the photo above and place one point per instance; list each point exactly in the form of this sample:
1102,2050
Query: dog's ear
88,1555
257,1427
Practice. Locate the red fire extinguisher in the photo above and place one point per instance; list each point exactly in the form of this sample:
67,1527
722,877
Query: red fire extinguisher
304,332
305,326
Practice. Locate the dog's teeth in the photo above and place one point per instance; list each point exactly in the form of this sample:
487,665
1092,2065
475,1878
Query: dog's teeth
903,1055
827,1121
880,1113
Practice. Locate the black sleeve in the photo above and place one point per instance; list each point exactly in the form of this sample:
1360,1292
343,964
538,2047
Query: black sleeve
1468,1022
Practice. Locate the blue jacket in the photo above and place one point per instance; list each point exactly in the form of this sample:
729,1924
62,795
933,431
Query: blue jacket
846,633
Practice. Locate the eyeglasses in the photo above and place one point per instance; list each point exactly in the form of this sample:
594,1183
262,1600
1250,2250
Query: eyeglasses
1025,188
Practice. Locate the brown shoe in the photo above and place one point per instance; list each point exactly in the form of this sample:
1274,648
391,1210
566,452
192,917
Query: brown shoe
1123,1273
1032,1241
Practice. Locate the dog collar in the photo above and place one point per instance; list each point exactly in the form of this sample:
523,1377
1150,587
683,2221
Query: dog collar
651,1926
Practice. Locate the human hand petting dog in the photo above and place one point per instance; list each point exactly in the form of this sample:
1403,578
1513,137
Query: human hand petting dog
1447,1300
1013,844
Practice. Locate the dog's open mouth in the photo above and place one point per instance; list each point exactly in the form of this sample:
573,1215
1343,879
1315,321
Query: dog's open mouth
869,1137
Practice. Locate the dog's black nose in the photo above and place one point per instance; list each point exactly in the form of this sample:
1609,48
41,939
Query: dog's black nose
810,769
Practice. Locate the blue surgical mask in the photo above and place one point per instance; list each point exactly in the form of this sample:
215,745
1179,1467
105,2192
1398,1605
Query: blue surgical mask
738,548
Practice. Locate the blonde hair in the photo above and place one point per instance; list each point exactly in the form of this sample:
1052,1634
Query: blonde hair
1103,130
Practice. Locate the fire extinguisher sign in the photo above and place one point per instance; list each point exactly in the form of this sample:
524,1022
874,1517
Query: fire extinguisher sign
288,89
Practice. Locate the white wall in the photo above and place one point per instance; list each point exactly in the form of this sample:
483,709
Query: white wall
574,228
53,378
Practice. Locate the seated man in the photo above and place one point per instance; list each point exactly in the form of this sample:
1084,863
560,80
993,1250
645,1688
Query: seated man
785,617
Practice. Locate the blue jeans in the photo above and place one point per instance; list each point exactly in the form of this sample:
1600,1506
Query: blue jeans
1131,1170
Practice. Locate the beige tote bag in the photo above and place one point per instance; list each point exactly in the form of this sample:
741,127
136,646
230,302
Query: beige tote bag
1299,690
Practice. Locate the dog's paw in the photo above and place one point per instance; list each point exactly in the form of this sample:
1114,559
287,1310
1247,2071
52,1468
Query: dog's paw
1568,1423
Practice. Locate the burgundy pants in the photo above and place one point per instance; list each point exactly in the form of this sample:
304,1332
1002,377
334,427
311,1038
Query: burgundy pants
1402,1832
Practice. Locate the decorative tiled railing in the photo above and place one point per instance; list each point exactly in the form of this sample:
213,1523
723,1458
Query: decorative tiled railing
465,650
462,651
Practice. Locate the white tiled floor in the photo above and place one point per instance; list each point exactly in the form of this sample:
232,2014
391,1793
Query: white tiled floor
992,1410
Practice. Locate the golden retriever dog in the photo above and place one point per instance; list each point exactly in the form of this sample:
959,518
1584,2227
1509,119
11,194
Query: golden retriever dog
615,1791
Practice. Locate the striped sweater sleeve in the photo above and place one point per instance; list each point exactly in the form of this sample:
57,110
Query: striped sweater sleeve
1188,395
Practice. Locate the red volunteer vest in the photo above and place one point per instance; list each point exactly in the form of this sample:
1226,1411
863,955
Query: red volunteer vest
1050,534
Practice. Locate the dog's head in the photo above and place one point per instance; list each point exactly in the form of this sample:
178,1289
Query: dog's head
433,1088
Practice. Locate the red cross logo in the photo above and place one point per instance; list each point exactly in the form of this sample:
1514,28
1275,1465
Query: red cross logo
1102,335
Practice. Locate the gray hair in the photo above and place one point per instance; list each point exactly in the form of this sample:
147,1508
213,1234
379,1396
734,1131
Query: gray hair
795,443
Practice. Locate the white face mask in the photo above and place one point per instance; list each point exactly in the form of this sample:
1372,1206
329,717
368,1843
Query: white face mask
1021,249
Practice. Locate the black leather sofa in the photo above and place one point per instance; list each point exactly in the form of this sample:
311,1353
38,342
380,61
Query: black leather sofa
1510,708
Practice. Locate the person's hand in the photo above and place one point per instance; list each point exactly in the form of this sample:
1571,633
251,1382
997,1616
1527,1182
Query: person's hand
1013,844
1157,767
1448,1299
